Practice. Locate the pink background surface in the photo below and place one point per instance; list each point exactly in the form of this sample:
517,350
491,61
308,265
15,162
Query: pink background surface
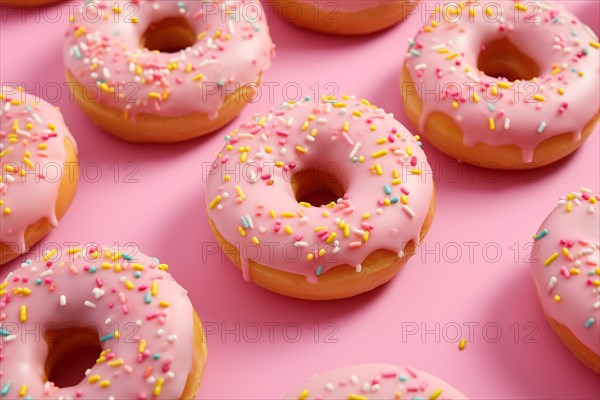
163,212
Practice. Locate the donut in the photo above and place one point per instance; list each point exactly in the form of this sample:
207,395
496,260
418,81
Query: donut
503,85
566,272
28,3
39,173
345,17
71,289
166,71
320,199
375,381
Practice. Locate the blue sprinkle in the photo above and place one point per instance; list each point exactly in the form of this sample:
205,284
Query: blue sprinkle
354,159
574,33
403,378
156,356
38,281
585,51
319,270
491,107
419,144
387,190
245,223
137,274
415,52
307,98
6,388
411,42
92,269
107,337
147,298
3,332
394,200
589,323
127,257
540,235
77,52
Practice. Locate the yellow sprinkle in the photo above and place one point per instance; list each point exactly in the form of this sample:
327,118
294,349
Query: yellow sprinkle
357,113
504,85
80,31
569,207
566,253
462,344
492,124
129,285
451,56
272,214
339,105
378,169
381,140
331,237
255,240
574,271
23,313
49,254
303,395
322,252
154,288
105,88
472,12
198,77
443,51
366,216
116,363
94,378
6,211
288,230
164,304
287,215
454,105
595,44
475,98
416,172
104,384
549,260
309,256
539,97
404,199
23,391
378,154
301,149
520,7
488,11
242,231
135,20
409,151
353,396
240,192
142,346
106,265
116,9
215,202
435,394
557,298
305,204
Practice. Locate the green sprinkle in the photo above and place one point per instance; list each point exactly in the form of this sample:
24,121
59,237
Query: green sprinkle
6,388
107,337
3,332
148,298
156,356
540,235
387,190
319,270
38,281
93,269
589,323
127,257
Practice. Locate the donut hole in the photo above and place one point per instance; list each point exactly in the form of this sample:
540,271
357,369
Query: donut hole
502,59
317,187
169,35
71,351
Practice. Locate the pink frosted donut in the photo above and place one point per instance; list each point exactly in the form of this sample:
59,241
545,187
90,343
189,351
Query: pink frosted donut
375,381
39,170
567,273
68,290
320,200
166,71
345,17
503,84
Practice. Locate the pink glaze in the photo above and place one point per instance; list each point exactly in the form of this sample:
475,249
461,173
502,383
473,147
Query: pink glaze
102,49
567,255
442,62
32,155
375,381
103,288
348,5
387,181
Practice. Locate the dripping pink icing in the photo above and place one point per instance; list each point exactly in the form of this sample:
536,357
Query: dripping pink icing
572,274
109,290
250,198
375,381
102,49
442,62
32,135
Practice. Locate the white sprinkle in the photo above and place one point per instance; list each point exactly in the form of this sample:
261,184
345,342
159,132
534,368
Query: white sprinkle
249,221
88,372
366,387
551,284
89,304
160,332
358,267
354,379
355,150
591,210
138,322
9,338
322,120
408,210
401,253
9,178
586,190
107,321
329,387
597,305
151,380
300,244
420,66
97,292
106,73
506,124
171,338
63,300
37,118
46,273
310,138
